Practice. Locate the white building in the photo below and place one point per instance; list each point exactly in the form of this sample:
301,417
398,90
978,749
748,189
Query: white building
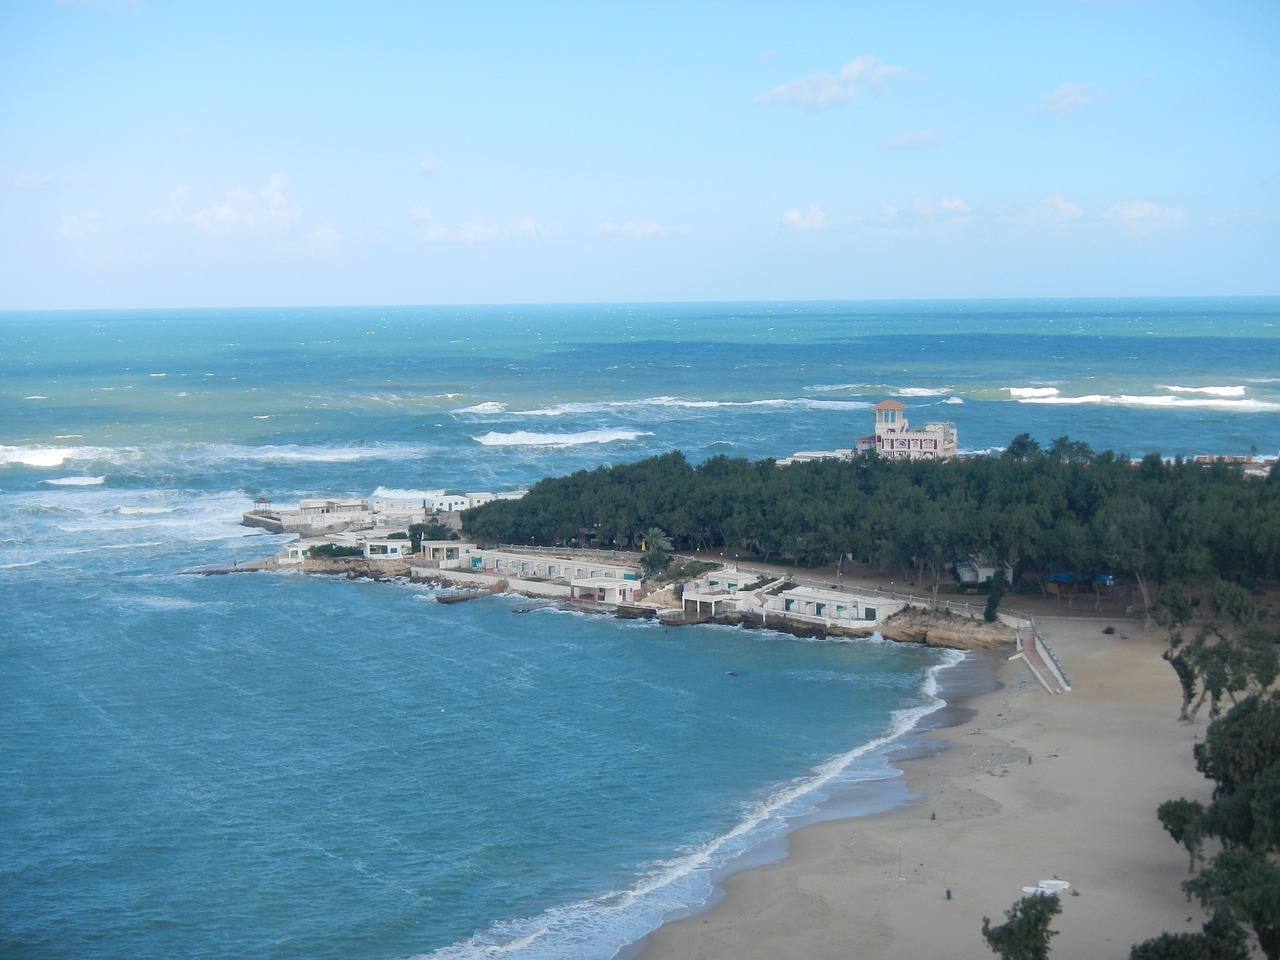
509,563
605,589
388,549
448,554
733,591
449,502
895,439
481,498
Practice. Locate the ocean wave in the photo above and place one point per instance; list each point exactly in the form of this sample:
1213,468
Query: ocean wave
601,925
923,391
1211,391
606,406
952,400
1160,402
523,438
1028,392
76,481
36,396
489,406
204,454
129,511
394,493
832,387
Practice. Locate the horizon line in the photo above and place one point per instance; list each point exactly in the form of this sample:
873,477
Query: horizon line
656,302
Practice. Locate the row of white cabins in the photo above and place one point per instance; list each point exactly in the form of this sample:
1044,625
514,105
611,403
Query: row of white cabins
606,579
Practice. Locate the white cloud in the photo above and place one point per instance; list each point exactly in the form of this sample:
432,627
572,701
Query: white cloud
922,210
74,226
1143,217
474,230
428,165
1054,210
913,140
811,218
1070,97
240,211
641,229
325,236
818,90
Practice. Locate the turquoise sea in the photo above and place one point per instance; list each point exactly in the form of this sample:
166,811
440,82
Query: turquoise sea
289,767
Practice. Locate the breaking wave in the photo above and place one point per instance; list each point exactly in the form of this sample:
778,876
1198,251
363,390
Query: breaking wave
923,391
1161,402
1029,392
523,438
203,454
489,406
1210,391
601,925
76,481
395,493
605,406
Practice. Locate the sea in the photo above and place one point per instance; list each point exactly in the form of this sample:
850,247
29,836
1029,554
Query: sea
281,766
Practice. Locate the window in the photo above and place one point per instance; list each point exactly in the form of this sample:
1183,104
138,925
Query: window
868,613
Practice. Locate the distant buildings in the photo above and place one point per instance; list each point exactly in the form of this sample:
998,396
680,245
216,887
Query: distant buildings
894,439
313,517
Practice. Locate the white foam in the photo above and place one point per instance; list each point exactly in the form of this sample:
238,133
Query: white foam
76,481
1022,392
923,391
394,493
952,400
489,406
35,396
601,925
69,436
830,387
1211,391
1161,402
142,511
605,406
524,438
34,456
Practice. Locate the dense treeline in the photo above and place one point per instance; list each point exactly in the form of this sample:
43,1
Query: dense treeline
1055,510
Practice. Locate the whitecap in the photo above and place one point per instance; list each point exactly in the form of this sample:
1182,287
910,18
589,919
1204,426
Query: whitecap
34,456
489,406
69,436
951,400
523,438
923,391
1210,391
1021,392
605,406
1161,402
76,481
35,396
395,493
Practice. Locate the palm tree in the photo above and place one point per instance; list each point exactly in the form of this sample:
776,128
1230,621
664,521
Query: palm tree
656,550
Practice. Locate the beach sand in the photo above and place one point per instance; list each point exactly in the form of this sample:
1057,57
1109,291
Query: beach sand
1102,758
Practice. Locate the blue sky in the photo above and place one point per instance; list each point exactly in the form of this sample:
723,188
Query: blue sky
237,154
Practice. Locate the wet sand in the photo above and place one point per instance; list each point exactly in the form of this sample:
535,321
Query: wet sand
985,822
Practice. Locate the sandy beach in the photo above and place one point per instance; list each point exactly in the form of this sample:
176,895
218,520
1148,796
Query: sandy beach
1102,758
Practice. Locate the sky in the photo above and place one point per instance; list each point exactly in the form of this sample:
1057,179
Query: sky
172,154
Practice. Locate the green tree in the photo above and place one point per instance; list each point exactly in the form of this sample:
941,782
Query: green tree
1221,939
1182,819
994,594
1244,886
657,546
1025,934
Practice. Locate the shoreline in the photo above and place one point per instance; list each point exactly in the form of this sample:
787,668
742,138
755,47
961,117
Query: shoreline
1102,758
955,685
